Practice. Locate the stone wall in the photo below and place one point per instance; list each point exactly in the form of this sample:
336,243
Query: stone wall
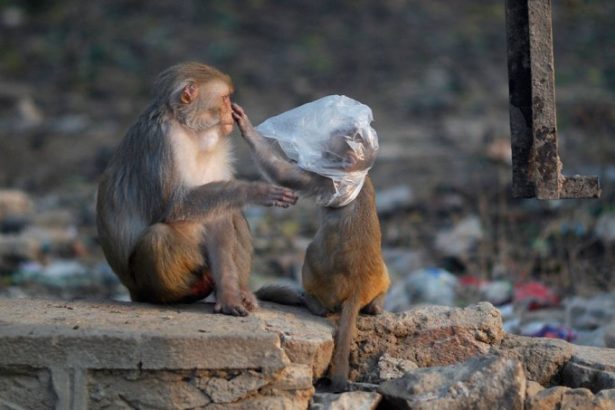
117,355
87,355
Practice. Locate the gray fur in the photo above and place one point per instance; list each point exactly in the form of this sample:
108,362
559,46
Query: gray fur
164,239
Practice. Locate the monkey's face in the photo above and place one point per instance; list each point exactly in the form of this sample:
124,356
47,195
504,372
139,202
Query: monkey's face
208,107
216,108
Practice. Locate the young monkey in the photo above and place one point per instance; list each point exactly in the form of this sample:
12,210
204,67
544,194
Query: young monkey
343,267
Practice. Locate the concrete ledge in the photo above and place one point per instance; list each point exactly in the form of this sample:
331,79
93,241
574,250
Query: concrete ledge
77,355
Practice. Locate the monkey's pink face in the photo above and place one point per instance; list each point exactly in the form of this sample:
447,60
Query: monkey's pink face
226,115
218,106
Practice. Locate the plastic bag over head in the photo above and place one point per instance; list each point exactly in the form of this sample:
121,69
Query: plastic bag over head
332,137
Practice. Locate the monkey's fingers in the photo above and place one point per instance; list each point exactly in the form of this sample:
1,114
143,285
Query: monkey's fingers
238,109
285,195
279,204
230,309
249,300
271,195
244,124
240,115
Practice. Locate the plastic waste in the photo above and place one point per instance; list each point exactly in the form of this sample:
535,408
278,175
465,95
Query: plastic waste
332,137
535,295
554,331
428,285
497,292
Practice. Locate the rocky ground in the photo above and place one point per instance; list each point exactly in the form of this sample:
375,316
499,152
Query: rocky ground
121,355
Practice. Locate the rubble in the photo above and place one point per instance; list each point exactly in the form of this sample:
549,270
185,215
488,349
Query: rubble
460,240
590,367
426,335
486,382
543,359
356,400
565,398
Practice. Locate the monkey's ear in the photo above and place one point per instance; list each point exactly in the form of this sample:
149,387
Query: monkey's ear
189,93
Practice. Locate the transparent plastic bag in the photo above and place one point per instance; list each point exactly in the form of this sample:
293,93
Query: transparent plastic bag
331,137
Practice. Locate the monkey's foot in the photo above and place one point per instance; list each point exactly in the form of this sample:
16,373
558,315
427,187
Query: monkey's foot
314,306
249,300
375,307
230,305
327,385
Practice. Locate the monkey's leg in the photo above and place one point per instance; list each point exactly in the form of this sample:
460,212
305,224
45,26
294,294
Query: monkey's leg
310,284
220,241
375,307
168,265
314,306
242,254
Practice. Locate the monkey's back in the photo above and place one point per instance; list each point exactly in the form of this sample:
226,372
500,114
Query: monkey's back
131,190
345,256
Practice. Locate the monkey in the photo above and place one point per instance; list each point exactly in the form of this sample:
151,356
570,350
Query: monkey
340,154
343,267
169,211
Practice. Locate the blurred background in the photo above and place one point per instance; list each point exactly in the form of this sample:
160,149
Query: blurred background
74,75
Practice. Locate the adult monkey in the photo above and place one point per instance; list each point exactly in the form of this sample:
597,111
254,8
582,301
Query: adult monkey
169,211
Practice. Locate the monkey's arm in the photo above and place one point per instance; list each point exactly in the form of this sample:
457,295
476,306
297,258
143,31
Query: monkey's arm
276,166
274,163
218,197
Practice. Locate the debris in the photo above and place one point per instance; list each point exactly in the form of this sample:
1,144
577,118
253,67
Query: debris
12,17
402,260
498,292
462,239
499,150
605,227
69,277
535,295
553,331
14,203
397,198
428,285
590,313
356,400
460,386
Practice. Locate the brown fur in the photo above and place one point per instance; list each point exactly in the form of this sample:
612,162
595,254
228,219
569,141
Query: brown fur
168,209
343,269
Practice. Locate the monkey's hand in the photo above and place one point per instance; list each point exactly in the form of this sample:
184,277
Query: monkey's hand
245,125
262,193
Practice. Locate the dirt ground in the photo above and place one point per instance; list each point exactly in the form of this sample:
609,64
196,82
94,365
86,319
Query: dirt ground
74,75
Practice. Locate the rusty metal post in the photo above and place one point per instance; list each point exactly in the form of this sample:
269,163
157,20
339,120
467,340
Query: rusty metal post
537,169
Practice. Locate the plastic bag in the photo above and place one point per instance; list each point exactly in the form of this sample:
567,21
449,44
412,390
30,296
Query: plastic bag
331,137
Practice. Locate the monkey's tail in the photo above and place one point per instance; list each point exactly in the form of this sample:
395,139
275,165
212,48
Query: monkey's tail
284,295
347,324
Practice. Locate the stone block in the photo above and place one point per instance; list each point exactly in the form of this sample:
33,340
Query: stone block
26,388
426,335
565,398
486,382
356,400
128,355
590,367
542,358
